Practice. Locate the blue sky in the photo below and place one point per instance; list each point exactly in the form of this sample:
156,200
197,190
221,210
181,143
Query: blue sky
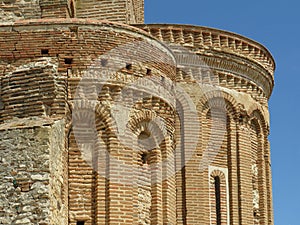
275,24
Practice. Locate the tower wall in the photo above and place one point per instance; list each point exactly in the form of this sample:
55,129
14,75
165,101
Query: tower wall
46,73
122,11
234,118
12,10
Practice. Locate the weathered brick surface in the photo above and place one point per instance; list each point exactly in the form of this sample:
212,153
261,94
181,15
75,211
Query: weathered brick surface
119,11
82,157
12,10
122,11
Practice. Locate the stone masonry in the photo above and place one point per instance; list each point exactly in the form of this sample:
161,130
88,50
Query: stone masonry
107,120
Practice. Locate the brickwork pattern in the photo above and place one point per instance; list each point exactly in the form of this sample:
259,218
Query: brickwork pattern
71,165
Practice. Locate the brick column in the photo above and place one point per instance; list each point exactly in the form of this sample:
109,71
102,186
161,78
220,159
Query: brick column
245,175
101,182
120,184
54,8
233,173
262,182
180,176
156,187
168,184
269,182
196,180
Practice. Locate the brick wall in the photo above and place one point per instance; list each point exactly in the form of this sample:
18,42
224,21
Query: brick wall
119,11
52,70
12,10
122,11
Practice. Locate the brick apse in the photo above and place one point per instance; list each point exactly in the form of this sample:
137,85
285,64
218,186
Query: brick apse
107,120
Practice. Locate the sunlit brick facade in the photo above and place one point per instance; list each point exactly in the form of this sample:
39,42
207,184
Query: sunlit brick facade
107,120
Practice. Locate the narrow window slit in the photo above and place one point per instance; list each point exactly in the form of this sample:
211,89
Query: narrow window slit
72,7
218,200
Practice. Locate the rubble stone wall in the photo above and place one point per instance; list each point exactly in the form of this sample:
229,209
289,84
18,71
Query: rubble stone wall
31,172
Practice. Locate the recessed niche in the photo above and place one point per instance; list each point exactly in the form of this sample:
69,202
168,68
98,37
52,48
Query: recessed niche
68,61
128,66
144,157
74,29
104,62
143,135
148,72
241,118
80,223
45,51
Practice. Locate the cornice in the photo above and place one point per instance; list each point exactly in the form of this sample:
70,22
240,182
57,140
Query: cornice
205,41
